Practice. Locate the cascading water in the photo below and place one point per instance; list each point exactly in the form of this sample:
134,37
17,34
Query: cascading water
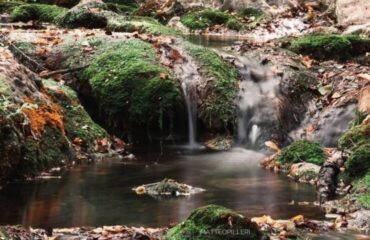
191,107
186,71
256,108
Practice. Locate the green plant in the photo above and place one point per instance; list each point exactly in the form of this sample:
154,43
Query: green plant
355,136
302,151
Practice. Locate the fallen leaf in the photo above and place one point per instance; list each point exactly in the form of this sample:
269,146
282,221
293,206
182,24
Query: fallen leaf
307,61
324,90
41,41
336,95
364,76
174,55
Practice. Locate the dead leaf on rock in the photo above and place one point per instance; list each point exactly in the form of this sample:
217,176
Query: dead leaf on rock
175,55
364,76
307,61
41,41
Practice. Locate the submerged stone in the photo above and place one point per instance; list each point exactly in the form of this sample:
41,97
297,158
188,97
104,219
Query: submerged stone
167,187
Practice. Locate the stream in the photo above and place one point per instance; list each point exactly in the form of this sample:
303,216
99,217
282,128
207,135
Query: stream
101,194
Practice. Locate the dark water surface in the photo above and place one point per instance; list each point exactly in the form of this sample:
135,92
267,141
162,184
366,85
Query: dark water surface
100,194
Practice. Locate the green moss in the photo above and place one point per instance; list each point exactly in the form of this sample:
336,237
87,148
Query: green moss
218,106
302,151
140,24
8,6
363,187
208,18
358,163
251,12
359,118
41,12
355,136
329,46
130,84
77,122
122,6
214,223
82,16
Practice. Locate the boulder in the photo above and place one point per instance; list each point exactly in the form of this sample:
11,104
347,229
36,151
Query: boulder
360,221
304,171
352,12
328,181
364,100
214,222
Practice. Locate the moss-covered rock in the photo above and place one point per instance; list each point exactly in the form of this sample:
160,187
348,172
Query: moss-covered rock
77,122
202,19
363,187
8,6
88,14
329,46
130,85
217,109
97,14
40,12
355,136
358,163
302,151
214,223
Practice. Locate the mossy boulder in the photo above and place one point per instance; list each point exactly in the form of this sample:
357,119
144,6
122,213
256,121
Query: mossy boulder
214,222
202,19
77,122
39,12
358,163
331,46
131,87
89,14
302,151
355,136
97,14
362,186
217,109
8,6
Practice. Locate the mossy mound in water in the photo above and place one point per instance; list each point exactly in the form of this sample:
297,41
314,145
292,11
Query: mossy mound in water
210,17
167,187
214,223
331,46
302,151
40,12
132,88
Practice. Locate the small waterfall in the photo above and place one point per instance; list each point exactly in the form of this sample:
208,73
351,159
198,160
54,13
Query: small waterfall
256,110
186,71
191,106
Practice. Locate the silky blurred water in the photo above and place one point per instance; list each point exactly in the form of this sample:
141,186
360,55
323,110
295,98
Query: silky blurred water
100,194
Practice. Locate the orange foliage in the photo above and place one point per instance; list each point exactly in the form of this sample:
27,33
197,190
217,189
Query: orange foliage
42,115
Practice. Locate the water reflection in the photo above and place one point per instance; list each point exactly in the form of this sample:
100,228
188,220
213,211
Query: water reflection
101,194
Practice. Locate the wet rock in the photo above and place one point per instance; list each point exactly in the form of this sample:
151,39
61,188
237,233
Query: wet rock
360,221
217,223
167,187
364,100
304,172
351,12
328,181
